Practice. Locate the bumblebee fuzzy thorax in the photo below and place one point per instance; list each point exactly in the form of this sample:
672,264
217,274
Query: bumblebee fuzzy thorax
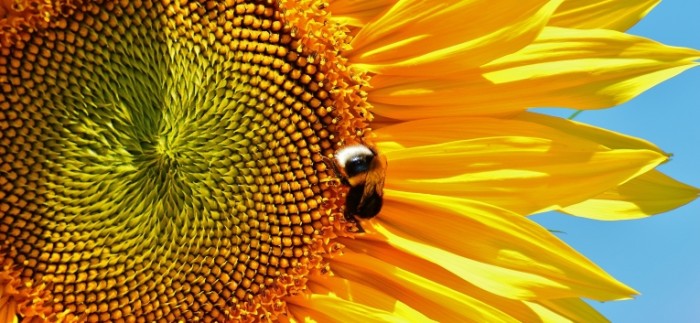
364,171
355,162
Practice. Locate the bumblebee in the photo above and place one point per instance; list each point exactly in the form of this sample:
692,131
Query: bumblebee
363,169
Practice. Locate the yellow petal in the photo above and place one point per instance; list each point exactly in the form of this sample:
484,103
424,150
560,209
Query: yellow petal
563,67
8,309
357,13
526,124
372,296
402,97
434,300
427,37
584,69
547,315
374,245
566,310
601,14
605,137
522,174
648,194
328,308
494,249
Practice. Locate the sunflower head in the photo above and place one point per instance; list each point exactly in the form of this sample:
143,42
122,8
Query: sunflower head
167,161
164,160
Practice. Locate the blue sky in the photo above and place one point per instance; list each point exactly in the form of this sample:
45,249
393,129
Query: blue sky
658,256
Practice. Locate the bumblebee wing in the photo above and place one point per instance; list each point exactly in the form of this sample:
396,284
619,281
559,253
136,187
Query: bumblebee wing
370,203
374,184
379,174
370,191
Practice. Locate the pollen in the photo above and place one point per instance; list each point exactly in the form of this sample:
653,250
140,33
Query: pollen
163,161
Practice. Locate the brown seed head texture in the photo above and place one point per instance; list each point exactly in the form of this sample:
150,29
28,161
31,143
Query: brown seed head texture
162,160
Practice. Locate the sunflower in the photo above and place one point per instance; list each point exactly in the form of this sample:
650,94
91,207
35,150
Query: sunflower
166,161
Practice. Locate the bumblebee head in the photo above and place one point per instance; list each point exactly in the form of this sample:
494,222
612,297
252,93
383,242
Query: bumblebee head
355,161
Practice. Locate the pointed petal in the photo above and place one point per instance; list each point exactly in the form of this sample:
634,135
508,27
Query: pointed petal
584,69
566,310
375,245
438,302
523,174
572,309
432,95
328,308
424,37
494,249
601,14
8,309
357,12
526,124
648,194
547,315
563,67
371,296
605,137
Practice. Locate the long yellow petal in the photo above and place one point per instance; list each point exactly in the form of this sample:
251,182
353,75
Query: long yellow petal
569,309
438,302
566,310
329,308
357,13
563,67
402,97
526,124
428,37
605,137
494,249
584,69
522,174
523,311
603,14
649,194
352,291
8,309
547,315
376,246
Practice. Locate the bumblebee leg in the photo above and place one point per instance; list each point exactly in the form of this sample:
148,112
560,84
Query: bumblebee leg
352,200
358,227
334,180
349,217
334,167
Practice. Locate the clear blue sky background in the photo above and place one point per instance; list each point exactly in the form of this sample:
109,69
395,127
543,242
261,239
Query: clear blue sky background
658,256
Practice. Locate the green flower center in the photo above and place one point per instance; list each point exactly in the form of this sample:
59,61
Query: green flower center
162,161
